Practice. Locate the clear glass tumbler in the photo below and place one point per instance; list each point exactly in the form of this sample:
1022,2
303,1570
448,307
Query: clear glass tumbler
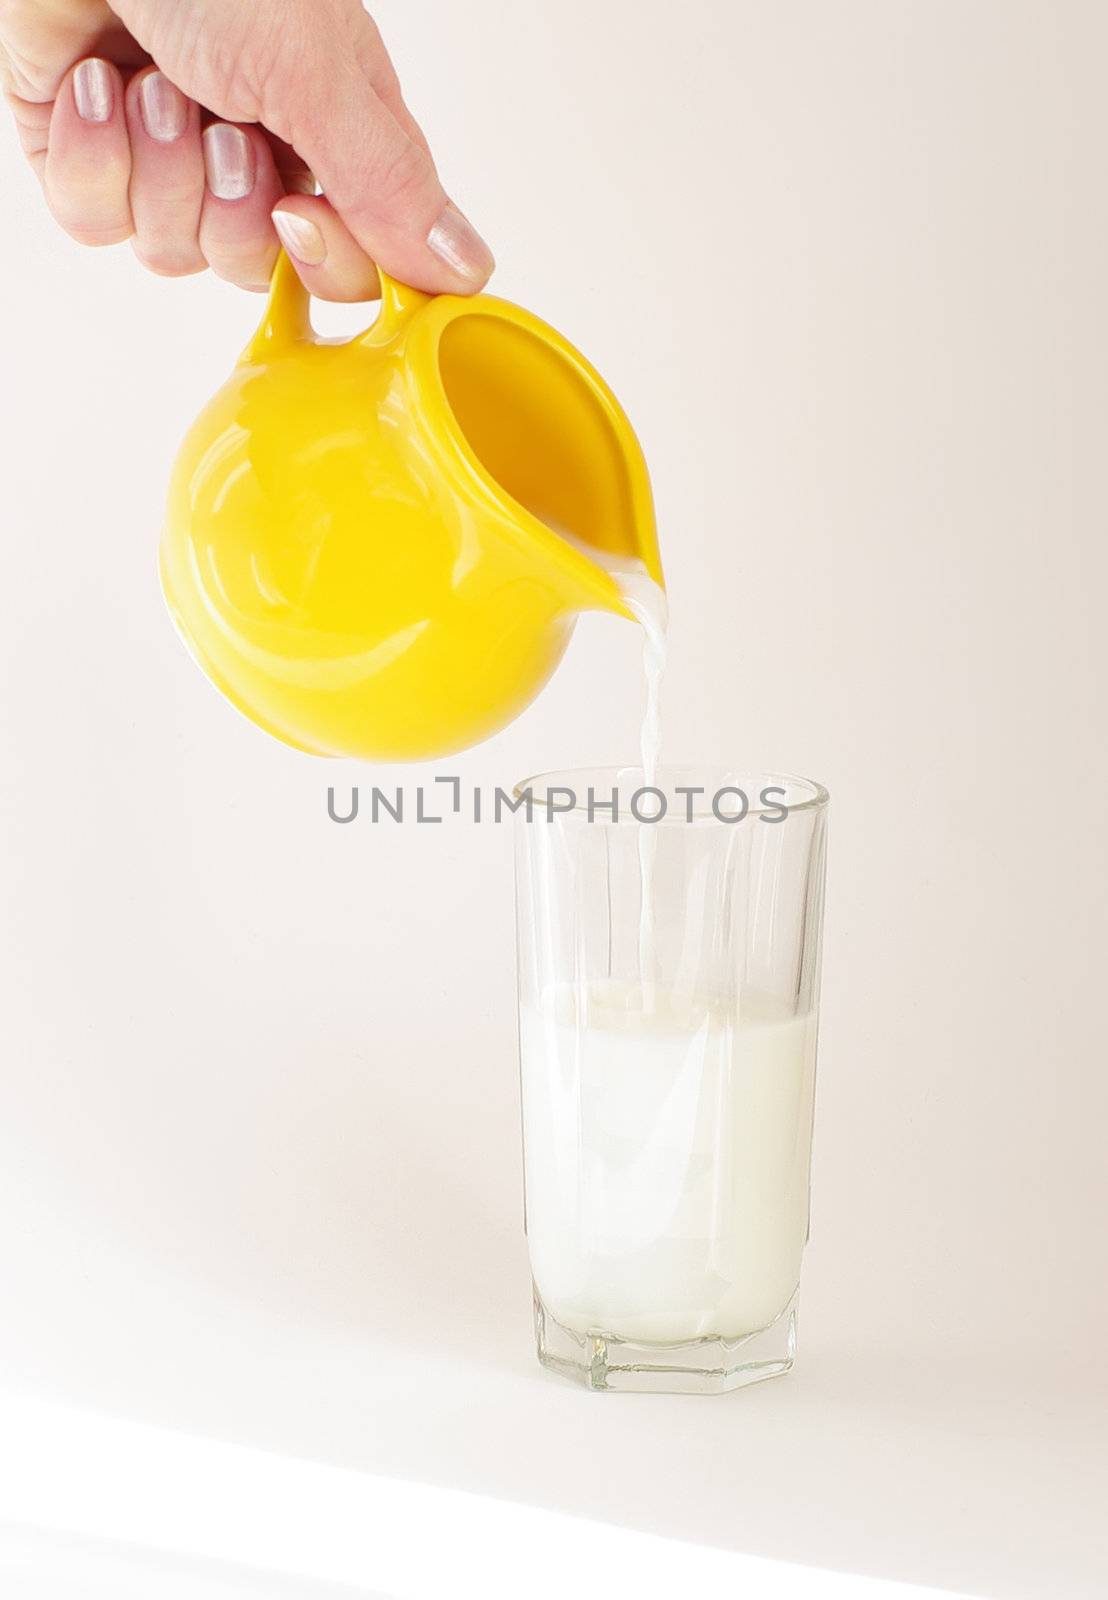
668,997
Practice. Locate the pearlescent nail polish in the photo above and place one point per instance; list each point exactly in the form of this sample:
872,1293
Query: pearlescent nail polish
300,238
457,243
93,90
228,161
164,109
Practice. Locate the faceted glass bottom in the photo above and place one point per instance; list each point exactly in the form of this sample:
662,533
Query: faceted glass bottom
713,1365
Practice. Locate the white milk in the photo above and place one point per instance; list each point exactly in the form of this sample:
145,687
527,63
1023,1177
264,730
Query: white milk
646,601
666,1150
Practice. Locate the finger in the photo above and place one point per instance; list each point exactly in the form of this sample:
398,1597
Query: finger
237,236
32,124
167,175
331,263
378,176
88,159
291,169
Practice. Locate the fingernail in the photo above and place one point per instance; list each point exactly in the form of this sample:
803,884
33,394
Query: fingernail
300,238
93,90
457,243
165,111
228,161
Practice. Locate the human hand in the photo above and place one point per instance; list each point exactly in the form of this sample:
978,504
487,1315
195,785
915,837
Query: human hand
194,128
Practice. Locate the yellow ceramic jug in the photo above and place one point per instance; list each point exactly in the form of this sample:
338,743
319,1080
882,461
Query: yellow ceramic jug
378,547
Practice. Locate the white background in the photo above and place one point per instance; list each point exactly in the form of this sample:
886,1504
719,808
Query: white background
259,1179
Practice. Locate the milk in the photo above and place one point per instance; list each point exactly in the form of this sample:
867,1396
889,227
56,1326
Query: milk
646,601
666,1151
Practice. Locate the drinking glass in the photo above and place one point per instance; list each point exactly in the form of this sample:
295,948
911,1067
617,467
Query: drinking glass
668,998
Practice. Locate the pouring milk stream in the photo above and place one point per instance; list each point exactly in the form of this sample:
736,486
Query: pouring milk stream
646,600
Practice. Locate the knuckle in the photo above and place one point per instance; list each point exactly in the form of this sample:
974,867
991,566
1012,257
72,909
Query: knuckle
169,261
246,272
401,173
271,74
96,236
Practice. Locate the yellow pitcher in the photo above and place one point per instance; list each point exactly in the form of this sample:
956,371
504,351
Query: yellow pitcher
378,547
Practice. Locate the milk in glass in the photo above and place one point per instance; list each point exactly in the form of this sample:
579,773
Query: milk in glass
667,1155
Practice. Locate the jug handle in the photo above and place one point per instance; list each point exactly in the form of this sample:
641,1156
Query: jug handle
286,320
399,301
287,317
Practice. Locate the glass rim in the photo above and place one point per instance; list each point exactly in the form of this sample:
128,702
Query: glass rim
725,779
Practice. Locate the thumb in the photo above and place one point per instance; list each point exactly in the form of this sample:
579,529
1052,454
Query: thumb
373,165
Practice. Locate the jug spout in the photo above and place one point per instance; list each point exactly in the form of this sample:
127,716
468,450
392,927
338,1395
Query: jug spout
552,441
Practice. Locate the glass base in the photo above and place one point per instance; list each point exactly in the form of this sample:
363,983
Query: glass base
602,1360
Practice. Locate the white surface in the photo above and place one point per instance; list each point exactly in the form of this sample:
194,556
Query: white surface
193,1520
259,1169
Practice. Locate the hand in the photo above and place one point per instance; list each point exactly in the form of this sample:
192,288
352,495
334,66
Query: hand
195,128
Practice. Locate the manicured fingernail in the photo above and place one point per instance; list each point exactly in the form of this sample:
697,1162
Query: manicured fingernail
165,111
300,238
457,243
93,90
228,161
